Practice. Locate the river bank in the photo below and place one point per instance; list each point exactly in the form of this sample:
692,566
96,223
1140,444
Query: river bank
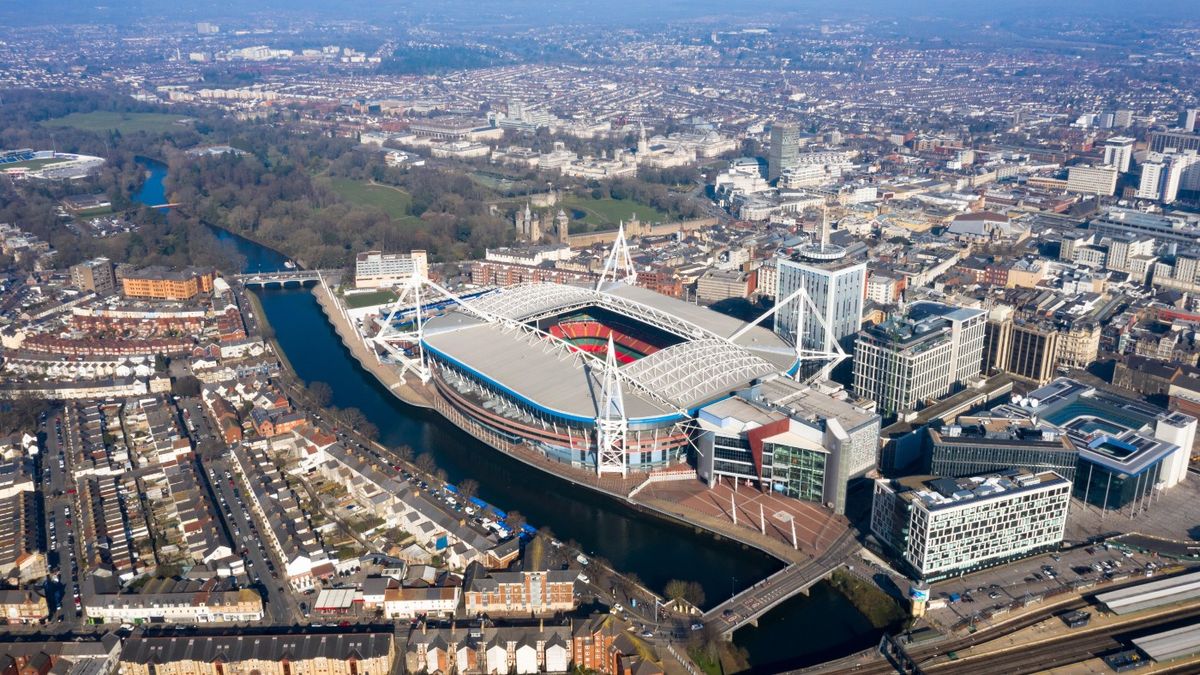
366,358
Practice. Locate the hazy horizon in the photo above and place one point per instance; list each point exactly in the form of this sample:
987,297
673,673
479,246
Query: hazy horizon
615,12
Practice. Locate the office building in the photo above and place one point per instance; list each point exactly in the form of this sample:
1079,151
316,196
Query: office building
947,526
1094,180
834,282
907,361
1118,153
788,438
1164,229
1150,184
167,284
1123,119
1188,119
1180,141
96,275
976,445
785,149
1128,449
376,269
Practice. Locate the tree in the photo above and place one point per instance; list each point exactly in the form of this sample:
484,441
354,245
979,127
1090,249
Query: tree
188,385
353,417
321,393
404,452
439,474
468,488
515,521
425,462
689,591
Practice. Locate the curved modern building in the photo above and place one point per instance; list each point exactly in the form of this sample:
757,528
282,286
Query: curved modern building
527,361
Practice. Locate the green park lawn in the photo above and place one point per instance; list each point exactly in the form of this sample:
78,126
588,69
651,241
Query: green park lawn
392,201
602,213
126,123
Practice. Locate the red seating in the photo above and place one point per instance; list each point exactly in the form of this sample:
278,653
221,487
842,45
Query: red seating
592,336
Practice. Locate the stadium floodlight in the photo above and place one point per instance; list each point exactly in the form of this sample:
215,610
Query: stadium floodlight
619,263
611,423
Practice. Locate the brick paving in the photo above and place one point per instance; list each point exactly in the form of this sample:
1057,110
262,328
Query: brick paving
816,527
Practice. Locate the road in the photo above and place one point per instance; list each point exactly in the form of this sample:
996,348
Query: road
60,511
280,605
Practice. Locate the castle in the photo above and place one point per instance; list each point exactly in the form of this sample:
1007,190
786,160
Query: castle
530,226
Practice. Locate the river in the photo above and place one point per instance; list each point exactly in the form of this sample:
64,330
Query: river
804,630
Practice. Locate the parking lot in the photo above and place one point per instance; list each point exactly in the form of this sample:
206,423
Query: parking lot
1040,576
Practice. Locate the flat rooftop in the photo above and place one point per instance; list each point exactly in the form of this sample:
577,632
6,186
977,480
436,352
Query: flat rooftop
1152,594
938,493
1172,644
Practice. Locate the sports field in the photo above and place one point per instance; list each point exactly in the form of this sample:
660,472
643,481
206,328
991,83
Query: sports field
356,300
34,164
126,123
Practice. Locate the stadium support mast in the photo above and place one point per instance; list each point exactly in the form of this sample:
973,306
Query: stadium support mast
611,424
619,263
831,353
406,345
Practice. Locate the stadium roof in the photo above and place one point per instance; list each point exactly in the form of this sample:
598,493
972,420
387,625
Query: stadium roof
542,373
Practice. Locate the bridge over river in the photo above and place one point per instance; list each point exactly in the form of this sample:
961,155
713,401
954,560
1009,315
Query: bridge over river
285,278
749,605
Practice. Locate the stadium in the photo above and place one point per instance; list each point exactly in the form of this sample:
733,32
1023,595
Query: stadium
532,362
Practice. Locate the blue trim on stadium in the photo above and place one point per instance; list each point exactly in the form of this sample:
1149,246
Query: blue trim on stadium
674,417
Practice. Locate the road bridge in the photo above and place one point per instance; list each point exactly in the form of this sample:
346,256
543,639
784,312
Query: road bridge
749,605
283,278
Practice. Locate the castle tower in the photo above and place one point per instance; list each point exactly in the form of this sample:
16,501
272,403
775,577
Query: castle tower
524,224
643,146
562,227
535,228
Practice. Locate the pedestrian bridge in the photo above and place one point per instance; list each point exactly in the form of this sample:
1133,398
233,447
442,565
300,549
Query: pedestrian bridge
749,605
283,278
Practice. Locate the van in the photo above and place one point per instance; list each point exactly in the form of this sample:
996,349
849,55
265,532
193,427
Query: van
581,559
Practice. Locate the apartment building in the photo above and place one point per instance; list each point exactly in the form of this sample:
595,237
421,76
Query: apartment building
96,275
163,283
301,654
1095,180
518,593
834,282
